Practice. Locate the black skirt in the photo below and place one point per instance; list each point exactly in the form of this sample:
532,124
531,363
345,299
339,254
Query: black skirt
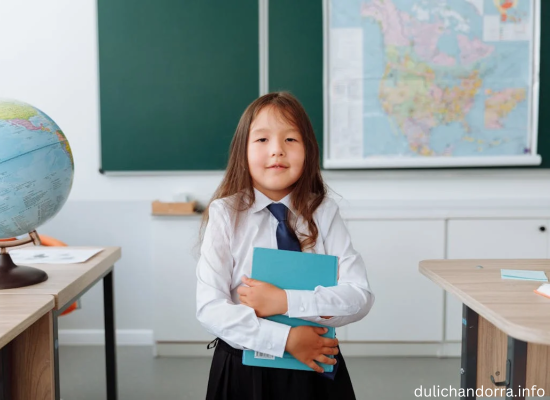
231,380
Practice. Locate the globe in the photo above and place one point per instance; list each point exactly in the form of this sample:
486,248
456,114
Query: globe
36,168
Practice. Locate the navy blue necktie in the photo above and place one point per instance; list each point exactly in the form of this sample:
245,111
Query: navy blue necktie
286,239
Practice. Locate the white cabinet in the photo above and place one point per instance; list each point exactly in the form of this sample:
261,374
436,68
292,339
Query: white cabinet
174,244
408,306
486,238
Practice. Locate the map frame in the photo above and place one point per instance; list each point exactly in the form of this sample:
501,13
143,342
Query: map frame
406,161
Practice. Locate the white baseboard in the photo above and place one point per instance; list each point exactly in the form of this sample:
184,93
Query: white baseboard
196,349
451,349
439,350
144,337
182,349
96,337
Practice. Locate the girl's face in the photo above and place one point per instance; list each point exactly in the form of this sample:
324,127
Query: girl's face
276,154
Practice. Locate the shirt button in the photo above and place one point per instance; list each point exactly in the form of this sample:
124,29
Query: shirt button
302,308
269,346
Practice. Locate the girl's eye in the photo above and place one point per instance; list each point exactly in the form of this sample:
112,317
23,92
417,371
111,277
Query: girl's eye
264,139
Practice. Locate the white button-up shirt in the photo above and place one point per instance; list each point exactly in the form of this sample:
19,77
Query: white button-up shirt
226,255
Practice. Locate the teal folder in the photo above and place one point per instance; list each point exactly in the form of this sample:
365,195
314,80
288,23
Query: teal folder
295,271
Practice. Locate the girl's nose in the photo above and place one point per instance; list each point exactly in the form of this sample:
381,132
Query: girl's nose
277,149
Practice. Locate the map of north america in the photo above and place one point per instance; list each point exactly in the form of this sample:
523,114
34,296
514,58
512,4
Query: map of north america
442,78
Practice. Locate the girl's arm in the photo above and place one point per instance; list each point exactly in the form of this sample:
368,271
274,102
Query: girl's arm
352,299
216,311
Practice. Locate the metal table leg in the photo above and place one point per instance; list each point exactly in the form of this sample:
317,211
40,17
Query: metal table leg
110,343
468,370
55,332
110,340
516,368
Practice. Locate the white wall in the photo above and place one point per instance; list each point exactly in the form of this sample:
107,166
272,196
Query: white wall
49,58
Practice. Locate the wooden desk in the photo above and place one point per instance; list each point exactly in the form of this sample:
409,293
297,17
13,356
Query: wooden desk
26,350
505,326
66,283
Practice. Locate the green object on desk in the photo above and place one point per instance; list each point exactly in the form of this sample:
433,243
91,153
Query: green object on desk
523,275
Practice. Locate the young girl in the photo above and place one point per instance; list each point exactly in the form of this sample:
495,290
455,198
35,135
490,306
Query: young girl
273,196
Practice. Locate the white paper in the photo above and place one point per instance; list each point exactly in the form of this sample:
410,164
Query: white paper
544,290
51,255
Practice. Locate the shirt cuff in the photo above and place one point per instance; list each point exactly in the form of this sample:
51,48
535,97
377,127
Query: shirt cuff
286,312
272,338
301,303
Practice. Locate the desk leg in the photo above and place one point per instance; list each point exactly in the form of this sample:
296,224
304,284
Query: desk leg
468,370
110,341
5,389
517,368
31,362
57,385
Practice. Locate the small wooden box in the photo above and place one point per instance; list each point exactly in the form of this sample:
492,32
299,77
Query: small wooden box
161,208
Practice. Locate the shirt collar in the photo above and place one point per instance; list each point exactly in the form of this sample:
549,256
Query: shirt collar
262,201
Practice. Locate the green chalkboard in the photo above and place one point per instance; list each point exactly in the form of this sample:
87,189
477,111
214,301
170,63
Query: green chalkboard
175,77
544,97
296,55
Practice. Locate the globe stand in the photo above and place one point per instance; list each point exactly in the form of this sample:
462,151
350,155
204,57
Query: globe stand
13,276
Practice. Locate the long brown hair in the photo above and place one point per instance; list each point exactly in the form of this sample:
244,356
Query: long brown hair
307,193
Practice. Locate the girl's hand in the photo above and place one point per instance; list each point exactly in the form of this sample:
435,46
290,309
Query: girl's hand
263,297
306,344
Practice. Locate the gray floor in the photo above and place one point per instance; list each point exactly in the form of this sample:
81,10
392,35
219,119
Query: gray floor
143,377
